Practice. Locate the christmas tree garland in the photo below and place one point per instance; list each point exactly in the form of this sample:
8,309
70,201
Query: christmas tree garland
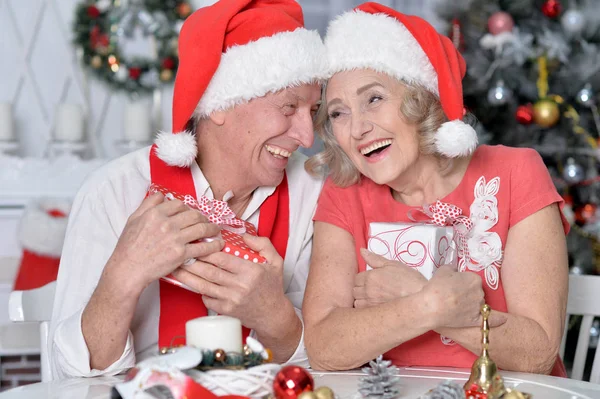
100,24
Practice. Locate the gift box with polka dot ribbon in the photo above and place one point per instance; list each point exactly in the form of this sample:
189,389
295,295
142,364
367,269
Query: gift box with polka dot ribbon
217,212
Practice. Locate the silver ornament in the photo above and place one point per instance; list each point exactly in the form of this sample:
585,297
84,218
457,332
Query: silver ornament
585,96
573,22
381,380
499,94
573,172
149,78
446,390
122,74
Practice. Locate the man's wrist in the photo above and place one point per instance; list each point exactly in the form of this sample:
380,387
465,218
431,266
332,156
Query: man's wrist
280,323
122,283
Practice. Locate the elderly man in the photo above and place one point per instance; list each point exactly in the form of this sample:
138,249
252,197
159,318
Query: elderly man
245,94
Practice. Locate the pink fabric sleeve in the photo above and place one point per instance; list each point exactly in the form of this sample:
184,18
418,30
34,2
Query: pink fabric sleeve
532,188
330,208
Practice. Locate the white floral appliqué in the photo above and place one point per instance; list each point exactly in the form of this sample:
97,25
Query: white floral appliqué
483,248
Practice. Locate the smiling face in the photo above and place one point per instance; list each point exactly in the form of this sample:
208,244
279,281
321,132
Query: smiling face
261,135
364,110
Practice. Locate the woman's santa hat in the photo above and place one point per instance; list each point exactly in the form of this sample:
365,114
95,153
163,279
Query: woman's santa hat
408,48
234,51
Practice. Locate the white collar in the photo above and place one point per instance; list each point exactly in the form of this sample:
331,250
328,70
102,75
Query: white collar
203,189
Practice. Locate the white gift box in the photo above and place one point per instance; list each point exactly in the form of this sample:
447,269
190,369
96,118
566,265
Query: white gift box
424,247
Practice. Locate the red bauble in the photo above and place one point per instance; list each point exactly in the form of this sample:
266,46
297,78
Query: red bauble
552,8
474,394
586,213
568,199
168,63
291,381
134,73
93,12
500,22
98,39
524,114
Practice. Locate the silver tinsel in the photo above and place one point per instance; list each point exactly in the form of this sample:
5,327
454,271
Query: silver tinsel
554,45
446,390
381,381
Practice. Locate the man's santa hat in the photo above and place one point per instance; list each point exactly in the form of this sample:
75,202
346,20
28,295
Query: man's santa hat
234,51
408,48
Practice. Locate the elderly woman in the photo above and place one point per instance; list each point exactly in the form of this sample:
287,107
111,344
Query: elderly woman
394,141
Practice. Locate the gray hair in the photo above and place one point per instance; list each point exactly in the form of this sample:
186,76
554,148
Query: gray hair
419,107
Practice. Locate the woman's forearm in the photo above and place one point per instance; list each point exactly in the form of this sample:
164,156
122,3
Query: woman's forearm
520,344
348,338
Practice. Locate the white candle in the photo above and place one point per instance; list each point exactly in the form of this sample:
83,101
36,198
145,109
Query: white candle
215,332
137,126
7,132
70,124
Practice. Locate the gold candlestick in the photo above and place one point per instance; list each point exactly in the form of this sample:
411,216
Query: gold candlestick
485,382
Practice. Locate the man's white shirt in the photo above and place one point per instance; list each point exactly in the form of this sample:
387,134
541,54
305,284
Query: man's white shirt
98,216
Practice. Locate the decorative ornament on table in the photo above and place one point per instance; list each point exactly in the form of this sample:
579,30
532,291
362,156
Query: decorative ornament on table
485,382
499,94
381,381
174,376
446,390
524,114
552,8
291,381
295,382
500,22
101,28
573,22
573,172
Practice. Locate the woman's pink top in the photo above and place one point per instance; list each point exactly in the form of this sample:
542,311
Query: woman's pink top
501,187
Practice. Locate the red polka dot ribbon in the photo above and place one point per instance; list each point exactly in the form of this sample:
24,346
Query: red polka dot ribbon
216,211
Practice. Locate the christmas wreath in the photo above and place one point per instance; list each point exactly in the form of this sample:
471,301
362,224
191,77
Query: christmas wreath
102,25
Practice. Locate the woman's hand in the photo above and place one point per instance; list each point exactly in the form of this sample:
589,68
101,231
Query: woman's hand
454,298
387,281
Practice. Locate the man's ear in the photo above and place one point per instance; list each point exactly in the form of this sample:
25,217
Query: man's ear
218,117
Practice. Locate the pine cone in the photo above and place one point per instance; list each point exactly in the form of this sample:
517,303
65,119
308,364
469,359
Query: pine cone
446,390
380,381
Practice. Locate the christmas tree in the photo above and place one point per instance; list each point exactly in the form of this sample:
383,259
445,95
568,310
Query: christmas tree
533,74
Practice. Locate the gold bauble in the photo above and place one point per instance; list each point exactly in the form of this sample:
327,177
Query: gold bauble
96,61
546,113
220,355
166,75
246,350
324,393
307,395
269,355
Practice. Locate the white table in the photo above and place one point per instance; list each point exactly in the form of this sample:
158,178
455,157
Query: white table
414,382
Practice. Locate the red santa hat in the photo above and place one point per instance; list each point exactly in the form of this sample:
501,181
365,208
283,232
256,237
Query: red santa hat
234,51
41,234
408,48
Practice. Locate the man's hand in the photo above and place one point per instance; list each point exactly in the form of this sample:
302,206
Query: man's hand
232,286
387,281
158,237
